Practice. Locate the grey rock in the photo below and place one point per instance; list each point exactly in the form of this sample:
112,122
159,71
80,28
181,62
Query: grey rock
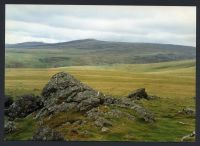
24,106
88,104
114,113
139,110
63,93
143,113
9,127
47,134
104,129
102,122
138,94
188,111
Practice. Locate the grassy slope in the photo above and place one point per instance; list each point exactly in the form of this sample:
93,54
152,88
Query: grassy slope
173,81
93,52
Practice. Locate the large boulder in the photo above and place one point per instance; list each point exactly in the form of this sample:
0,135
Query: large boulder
63,93
138,94
24,106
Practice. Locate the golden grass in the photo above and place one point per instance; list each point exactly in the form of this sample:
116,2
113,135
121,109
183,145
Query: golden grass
117,81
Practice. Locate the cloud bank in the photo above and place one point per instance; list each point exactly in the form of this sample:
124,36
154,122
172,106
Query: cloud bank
59,23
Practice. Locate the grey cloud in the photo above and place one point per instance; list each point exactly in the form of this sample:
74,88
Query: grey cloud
136,24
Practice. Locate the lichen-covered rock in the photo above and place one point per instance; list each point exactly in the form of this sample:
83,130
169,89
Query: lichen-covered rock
63,93
110,100
138,94
139,110
24,106
9,127
47,134
143,113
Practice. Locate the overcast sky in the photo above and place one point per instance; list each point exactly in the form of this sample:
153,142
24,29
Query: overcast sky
59,23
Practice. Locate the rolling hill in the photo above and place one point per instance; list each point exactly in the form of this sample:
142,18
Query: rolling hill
93,52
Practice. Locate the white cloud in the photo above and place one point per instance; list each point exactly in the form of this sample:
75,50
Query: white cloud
175,25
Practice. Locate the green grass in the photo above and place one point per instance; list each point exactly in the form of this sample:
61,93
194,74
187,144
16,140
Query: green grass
25,129
174,82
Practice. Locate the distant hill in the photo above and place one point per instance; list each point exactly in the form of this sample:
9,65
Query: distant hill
93,52
25,45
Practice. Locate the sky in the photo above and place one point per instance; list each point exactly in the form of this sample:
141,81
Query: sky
61,23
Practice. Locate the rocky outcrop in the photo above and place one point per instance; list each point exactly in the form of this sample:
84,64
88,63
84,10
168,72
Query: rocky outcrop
47,134
63,93
138,94
23,106
128,103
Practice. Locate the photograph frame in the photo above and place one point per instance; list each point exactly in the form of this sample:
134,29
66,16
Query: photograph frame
195,3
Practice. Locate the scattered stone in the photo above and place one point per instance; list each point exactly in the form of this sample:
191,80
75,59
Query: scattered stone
101,122
94,114
104,129
138,94
24,106
188,137
139,110
47,134
143,113
9,127
187,111
114,113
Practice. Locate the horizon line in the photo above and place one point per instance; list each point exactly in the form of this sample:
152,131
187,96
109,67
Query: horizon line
46,43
